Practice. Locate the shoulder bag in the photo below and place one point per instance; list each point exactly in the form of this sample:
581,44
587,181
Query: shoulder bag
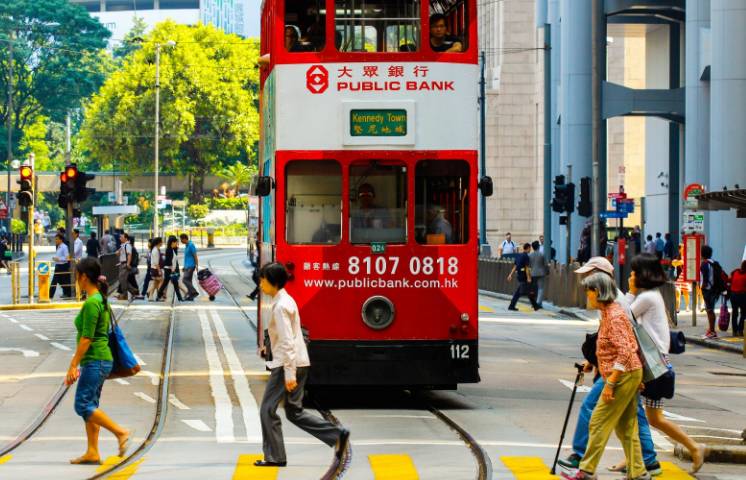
653,363
124,364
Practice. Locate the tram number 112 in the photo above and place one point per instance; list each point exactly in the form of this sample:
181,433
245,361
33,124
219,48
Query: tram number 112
459,352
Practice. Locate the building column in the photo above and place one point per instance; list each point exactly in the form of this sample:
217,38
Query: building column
575,101
697,128
727,234
555,20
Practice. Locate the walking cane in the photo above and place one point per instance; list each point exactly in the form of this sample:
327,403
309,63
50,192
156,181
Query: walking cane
578,380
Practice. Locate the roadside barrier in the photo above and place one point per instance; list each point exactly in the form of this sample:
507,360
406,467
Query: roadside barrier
15,282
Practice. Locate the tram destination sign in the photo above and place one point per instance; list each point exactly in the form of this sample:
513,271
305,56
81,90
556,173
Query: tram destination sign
378,123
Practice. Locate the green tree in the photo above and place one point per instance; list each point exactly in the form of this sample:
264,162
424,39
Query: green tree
131,41
208,115
57,60
239,175
197,211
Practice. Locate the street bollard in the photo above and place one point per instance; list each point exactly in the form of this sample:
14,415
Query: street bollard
43,271
15,283
210,238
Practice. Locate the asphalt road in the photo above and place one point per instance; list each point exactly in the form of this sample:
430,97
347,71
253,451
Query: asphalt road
212,429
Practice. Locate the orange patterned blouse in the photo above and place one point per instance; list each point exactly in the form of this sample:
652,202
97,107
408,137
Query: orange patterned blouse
617,346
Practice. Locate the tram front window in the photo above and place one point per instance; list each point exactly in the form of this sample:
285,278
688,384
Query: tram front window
378,203
313,202
441,202
449,24
305,26
377,26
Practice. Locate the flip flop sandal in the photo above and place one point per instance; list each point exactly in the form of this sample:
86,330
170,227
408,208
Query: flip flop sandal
123,447
618,468
79,461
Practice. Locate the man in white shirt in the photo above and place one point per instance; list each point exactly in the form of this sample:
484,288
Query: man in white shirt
61,275
507,247
125,268
288,362
77,245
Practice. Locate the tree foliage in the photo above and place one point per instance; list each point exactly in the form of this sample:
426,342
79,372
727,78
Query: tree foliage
239,175
58,59
207,104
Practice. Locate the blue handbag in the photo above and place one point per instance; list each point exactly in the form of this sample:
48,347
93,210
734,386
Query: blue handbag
124,364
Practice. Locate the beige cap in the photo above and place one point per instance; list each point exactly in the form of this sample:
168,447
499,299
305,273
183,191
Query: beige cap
597,263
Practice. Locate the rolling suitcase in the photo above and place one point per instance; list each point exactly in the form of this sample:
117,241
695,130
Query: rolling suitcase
209,282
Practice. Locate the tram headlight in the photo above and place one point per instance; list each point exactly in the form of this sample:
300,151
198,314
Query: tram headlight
378,312
464,317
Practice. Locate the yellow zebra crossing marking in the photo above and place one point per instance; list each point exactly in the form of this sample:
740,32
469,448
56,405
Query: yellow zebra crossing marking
392,467
5,459
528,468
673,472
124,474
483,308
245,469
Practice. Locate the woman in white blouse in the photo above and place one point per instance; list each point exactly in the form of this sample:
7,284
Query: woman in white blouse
649,310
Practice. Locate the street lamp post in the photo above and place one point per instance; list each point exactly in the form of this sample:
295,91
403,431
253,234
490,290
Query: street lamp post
158,46
9,156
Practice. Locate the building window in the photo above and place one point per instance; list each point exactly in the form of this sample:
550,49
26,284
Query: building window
313,202
378,203
441,211
89,5
119,5
449,23
377,26
143,4
305,26
178,4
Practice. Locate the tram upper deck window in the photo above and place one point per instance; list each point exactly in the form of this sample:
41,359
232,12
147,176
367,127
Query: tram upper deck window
378,203
313,202
441,211
305,25
449,24
377,25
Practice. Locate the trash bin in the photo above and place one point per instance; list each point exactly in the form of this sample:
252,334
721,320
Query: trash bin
210,237
43,271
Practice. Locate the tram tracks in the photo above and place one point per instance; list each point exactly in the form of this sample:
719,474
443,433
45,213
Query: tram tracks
46,412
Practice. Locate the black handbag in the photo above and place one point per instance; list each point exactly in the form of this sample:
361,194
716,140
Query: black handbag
678,342
661,387
267,347
589,348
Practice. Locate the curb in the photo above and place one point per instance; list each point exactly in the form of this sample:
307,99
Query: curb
42,306
713,345
547,306
716,453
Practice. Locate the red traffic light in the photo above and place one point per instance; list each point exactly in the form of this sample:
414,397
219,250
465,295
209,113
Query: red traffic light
63,177
26,173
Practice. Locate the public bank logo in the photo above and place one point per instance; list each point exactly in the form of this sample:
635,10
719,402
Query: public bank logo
317,79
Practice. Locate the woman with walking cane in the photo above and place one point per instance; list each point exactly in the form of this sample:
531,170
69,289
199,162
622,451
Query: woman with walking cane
287,360
92,362
621,369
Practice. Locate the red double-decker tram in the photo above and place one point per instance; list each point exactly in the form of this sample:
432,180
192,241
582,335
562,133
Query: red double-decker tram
369,184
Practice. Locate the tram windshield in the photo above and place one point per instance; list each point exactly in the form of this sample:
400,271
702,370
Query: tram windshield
442,202
313,202
305,25
378,203
377,26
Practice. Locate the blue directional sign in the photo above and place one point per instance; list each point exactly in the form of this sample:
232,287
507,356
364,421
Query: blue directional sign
613,215
626,206
43,268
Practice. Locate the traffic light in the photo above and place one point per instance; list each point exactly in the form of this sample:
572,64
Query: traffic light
68,182
25,193
570,197
585,205
558,202
81,191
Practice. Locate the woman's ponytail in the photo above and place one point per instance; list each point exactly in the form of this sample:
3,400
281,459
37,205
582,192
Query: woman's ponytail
103,287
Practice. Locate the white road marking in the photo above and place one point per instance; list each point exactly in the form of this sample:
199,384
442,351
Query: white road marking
26,353
121,381
198,425
249,407
145,397
426,417
681,418
12,319
60,346
538,321
139,360
727,430
660,441
26,327
176,402
42,337
223,405
155,379
570,385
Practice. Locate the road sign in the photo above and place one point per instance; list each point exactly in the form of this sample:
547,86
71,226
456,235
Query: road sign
692,245
691,204
617,195
694,221
43,269
693,189
626,206
160,197
613,214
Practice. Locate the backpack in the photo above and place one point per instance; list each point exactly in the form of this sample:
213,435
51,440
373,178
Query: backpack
719,278
135,258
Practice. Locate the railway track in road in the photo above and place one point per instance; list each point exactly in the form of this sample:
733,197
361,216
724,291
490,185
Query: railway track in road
47,411
338,467
161,409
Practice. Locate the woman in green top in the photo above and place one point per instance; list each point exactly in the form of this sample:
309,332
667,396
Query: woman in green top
92,362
